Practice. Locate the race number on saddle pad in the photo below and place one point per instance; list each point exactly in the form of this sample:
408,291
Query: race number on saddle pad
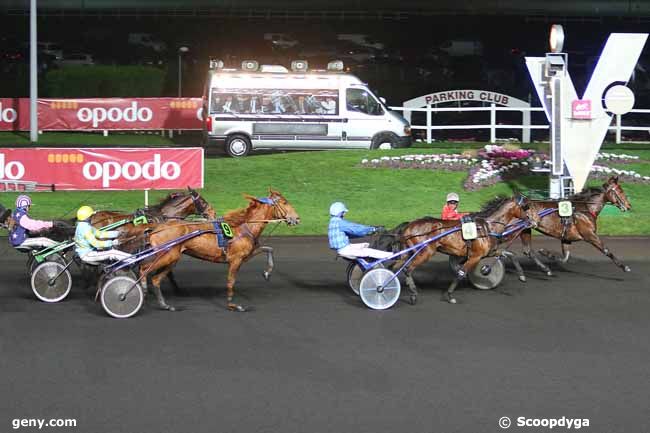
468,229
565,208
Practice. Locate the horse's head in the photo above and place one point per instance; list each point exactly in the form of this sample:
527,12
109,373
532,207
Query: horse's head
201,205
282,209
614,194
524,211
5,215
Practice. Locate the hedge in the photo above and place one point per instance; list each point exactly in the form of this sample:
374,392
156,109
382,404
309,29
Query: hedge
104,82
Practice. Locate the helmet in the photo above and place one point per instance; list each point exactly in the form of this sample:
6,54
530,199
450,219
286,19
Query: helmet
452,196
84,213
23,201
337,208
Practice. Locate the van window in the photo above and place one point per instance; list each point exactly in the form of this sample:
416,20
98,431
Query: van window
274,101
360,100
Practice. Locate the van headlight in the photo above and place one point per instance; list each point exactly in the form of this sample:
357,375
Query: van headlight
407,130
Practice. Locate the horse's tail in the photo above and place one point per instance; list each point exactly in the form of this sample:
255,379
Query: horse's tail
390,240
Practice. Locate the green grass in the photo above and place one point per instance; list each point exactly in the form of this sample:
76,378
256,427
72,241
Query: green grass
21,139
312,180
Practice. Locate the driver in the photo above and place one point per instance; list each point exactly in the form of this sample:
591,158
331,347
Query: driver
340,231
24,226
450,210
88,240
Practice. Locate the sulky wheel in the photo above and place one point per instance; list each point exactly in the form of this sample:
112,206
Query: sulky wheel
51,282
488,273
121,296
354,274
379,289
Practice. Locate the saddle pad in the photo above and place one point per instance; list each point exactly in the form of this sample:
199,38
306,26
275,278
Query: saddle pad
223,231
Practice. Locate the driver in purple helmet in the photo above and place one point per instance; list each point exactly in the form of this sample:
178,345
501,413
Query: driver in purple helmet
24,227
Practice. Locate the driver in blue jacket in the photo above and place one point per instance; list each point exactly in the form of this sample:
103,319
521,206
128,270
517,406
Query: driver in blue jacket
340,231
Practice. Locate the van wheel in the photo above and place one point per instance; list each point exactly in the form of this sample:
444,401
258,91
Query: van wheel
384,141
238,145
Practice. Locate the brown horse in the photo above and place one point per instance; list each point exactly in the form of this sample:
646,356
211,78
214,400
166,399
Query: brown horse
490,222
247,225
175,205
581,226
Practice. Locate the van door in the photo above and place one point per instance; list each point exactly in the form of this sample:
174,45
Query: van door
365,117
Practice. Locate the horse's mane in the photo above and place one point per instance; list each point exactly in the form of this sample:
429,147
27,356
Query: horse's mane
587,193
490,207
166,200
238,216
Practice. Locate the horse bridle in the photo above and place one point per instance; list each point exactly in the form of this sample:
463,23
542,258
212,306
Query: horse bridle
198,205
281,211
613,187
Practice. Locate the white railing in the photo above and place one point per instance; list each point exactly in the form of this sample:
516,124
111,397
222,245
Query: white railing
526,127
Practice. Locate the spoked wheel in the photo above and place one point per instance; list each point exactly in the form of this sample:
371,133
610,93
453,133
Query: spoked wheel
51,282
379,289
488,274
354,274
121,296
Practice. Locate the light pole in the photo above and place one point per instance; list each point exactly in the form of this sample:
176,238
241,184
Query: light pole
33,75
181,51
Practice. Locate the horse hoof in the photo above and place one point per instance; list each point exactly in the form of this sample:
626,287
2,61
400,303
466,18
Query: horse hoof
452,300
522,278
413,300
267,275
237,308
627,269
167,307
549,274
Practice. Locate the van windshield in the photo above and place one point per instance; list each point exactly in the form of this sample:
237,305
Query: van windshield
274,101
363,101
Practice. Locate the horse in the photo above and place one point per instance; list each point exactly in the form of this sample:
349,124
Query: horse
581,226
175,205
247,224
490,221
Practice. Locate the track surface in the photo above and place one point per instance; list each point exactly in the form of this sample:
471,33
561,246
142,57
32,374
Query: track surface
312,358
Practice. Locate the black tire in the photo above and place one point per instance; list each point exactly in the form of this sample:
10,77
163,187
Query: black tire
379,140
237,146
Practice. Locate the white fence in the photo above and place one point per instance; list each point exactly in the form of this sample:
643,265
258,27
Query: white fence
493,125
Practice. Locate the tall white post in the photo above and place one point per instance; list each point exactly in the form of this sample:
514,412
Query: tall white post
618,129
493,122
429,123
33,75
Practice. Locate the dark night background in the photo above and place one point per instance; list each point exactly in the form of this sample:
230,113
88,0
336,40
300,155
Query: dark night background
412,61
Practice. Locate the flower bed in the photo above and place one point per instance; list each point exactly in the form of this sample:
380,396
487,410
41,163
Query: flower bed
495,164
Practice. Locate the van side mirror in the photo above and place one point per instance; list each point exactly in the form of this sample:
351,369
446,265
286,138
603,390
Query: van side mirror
382,99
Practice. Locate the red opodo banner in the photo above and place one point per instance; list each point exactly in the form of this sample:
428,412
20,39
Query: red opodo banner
104,169
115,114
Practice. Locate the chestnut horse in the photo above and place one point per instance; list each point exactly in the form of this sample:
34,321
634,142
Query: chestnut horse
247,225
490,222
581,226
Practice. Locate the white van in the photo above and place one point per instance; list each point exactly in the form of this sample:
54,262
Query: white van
269,107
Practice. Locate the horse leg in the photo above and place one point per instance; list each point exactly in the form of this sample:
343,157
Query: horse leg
155,281
269,260
233,268
513,259
594,240
412,288
467,267
526,241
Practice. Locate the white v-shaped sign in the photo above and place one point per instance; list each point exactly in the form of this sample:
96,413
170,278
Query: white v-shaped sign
581,139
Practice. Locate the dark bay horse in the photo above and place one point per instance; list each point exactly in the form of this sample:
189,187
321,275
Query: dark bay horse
581,226
490,222
175,205
247,225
